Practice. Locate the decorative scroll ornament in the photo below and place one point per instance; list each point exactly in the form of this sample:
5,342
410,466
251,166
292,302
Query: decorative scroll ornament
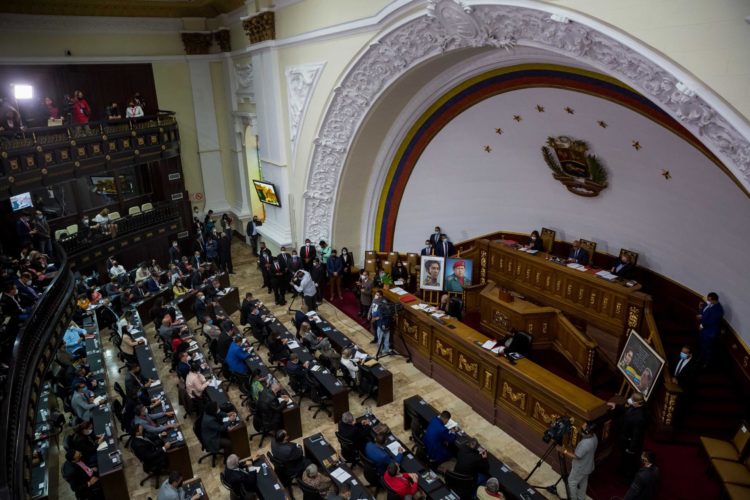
449,25
300,82
244,77
582,173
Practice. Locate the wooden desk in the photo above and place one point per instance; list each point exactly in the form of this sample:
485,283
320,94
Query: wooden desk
609,306
269,485
324,455
522,399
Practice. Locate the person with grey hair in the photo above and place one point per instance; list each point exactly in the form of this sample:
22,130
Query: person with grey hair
315,479
238,477
490,491
331,356
356,432
348,362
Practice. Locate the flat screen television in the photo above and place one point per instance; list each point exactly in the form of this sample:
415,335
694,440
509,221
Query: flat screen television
20,201
104,184
267,193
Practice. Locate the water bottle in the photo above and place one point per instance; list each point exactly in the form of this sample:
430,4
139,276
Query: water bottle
108,430
264,466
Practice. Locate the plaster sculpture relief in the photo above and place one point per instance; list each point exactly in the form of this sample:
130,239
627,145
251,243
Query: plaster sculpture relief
450,25
244,77
300,82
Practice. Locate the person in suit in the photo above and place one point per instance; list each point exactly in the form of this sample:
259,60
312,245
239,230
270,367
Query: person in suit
238,477
83,480
435,237
197,260
711,312
356,432
347,260
236,357
624,267
582,462
28,294
645,485
633,419
85,441
428,248
24,230
252,232
445,247
578,254
10,304
471,460
308,253
279,282
535,242
270,407
82,403
246,307
685,369
335,268
225,254
365,293
265,261
437,438
199,306
289,454
376,451
297,372
318,275
175,254
213,429
171,489
151,455
151,284
148,420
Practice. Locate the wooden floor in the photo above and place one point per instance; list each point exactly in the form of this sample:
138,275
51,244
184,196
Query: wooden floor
407,381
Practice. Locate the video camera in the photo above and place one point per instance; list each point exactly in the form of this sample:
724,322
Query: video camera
557,430
297,278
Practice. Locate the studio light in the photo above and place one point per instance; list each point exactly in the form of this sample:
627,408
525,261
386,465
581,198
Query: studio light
23,91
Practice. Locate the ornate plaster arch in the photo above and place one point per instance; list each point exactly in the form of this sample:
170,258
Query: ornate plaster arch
449,25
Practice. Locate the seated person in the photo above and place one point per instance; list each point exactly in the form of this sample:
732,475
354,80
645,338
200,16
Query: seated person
289,454
183,367
321,482
213,429
112,288
236,357
578,254
471,460
153,456
195,382
624,268
83,480
350,363
85,441
256,322
223,343
117,270
212,289
178,289
142,273
329,356
297,372
378,454
535,242
356,432
277,348
151,284
246,308
168,328
148,420
134,380
238,477
437,438
490,491
402,483
82,403
311,339
269,406
73,338
171,488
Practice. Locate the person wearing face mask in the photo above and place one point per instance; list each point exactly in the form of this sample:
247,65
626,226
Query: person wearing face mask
400,273
171,489
633,419
347,260
335,268
252,232
42,237
85,441
583,462
645,485
445,247
535,242
711,312
25,231
434,238
684,375
624,267
428,249
308,253
175,254
318,274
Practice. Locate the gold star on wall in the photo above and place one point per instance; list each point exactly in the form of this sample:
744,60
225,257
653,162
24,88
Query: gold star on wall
517,118
570,110
499,131
540,108
637,145
602,124
488,148
665,173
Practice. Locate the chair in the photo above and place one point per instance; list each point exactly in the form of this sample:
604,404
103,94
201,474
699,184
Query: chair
199,434
282,472
308,492
371,265
71,229
392,258
412,262
461,484
117,409
633,255
234,494
387,266
371,472
113,216
737,492
147,207
734,450
548,239
318,396
590,247
134,210
349,450
391,494
264,426
732,472
60,234
368,384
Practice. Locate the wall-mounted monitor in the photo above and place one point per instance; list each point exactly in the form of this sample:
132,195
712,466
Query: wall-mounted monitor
104,184
20,201
267,193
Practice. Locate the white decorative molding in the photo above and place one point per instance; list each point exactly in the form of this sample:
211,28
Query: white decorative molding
436,32
87,24
300,83
243,73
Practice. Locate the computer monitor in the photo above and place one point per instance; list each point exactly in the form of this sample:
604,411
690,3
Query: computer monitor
20,201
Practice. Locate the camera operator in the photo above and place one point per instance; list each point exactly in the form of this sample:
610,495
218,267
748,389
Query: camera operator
583,462
304,284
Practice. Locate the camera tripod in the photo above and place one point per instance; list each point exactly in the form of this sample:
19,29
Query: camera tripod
394,322
563,471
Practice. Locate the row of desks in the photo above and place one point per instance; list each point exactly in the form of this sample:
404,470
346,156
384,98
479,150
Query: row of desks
39,488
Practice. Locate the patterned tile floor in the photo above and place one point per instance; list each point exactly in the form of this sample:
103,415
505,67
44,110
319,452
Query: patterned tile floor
407,381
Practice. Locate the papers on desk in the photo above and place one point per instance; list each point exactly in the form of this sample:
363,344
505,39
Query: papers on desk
359,355
438,314
394,446
451,424
499,349
102,446
417,306
527,250
155,383
292,344
398,290
398,283
489,345
315,368
606,275
577,267
214,382
99,400
267,320
340,475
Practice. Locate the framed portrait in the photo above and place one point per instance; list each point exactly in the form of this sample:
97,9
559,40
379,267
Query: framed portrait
640,364
431,277
458,274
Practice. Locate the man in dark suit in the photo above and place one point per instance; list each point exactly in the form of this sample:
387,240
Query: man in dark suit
151,284
444,248
238,477
265,260
685,369
200,307
710,316
213,429
308,253
225,254
624,268
196,260
24,230
252,231
28,294
270,407
645,485
428,249
152,456
578,254
10,304
279,282
356,432
175,254
246,308
435,237
289,454
472,461
633,420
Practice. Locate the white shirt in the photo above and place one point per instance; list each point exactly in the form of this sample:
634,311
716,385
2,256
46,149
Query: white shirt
133,112
351,366
307,285
117,270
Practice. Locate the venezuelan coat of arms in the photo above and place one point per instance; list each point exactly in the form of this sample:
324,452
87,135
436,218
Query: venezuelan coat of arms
571,163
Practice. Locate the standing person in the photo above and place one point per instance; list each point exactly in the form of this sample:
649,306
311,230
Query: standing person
278,282
43,234
434,238
365,293
645,485
53,112
81,111
318,274
308,253
335,266
25,231
225,254
113,111
305,285
633,421
347,260
428,248
710,315
175,254
325,252
445,247
583,462
252,232
265,261
226,225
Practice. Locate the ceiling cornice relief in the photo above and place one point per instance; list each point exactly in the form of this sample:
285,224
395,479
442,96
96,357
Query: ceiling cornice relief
450,25
84,24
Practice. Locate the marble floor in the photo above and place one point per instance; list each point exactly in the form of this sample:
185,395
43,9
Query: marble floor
407,381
